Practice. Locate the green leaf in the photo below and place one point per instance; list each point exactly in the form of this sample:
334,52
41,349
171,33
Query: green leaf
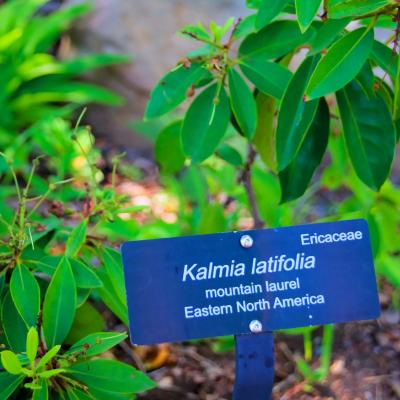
355,8
43,393
341,64
213,219
113,265
396,100
51,372
205,123
230,155
242,103
269,9
25,293
388,266
295,115
10,362
9,384
196,30
110,297
328,32
264,139
32,344
306,11
295,178
110,375
61,91
76,239
87,320
97,343
245,27
366,79
369,132
14,327
59,304
172,89
168,148
274,41
85,277
268,77
48,356
384,57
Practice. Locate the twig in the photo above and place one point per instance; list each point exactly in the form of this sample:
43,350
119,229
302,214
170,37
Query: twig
232,35
245,178
396,33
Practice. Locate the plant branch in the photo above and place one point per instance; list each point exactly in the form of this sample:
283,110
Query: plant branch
245,178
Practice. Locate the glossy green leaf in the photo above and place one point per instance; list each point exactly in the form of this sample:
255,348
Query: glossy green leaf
242,103
44,360
264,139
14,327
369,132
59,305
268,77
85,277
76,239
110,297
9,384
275,40
366,80
396,100
168,148
295,115
196,31
245,27
295,178
32,344
230,155
341,64
110,375
51,373
99,394
112,262
25,293
384,57
355,8
205,123
97,343
10,362
269,9
326,34
88,320
306,11
172,89
43,392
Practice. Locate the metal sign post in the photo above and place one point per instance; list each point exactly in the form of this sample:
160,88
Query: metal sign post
254,366
249,284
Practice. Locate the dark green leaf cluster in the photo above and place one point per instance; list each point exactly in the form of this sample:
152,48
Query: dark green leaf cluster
277,78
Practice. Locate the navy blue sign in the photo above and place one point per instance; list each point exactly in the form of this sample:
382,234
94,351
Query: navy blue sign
229,283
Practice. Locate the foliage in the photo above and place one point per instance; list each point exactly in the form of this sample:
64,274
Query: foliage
35,83
53,276
297,102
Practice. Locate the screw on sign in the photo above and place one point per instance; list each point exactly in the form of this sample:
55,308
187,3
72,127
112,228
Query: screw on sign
249,285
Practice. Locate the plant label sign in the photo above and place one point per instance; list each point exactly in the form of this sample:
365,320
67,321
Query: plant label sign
240,282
